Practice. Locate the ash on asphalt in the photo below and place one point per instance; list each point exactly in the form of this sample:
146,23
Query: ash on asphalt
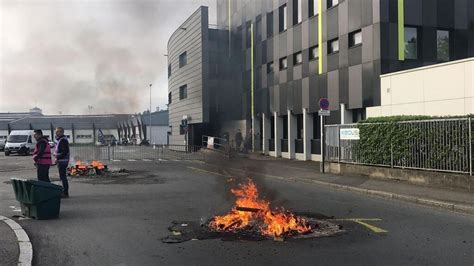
191,230
135,177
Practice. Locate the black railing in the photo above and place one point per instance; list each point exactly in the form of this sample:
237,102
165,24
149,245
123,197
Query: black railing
284,145
315,146
299,146
271,144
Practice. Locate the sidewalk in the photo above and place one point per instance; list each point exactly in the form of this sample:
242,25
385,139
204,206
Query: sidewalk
9,250
449,199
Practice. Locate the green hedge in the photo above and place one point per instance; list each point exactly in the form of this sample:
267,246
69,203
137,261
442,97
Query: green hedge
423,145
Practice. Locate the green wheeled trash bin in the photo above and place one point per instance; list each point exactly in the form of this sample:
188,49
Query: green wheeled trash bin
39,200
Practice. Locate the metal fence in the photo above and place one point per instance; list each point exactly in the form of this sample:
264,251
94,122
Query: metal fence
135,152
437,145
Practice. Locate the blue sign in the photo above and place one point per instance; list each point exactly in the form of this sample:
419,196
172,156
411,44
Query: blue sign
324,104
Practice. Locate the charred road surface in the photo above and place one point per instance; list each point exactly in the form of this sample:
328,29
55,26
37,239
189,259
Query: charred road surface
124,219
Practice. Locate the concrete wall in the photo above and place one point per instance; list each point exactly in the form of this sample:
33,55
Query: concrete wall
428,178
190,37
439,90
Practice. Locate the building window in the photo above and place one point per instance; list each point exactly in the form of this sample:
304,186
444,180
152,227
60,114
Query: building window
283,63
297,12
183,59
298,58
283,20
313,53
333,46
270,67
355,38
169,98
183,92
84,137
332,3
443,45
313,8
169,70
411,43
269,24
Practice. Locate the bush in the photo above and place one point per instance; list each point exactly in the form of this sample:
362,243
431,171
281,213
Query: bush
440,144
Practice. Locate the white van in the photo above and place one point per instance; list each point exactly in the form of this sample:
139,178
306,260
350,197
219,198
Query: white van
20,142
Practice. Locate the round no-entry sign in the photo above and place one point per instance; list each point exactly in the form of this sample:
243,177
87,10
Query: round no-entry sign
324,103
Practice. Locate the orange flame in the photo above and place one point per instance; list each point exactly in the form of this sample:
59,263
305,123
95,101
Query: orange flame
250,210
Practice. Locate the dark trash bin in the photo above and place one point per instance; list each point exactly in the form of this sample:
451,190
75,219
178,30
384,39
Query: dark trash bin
39,200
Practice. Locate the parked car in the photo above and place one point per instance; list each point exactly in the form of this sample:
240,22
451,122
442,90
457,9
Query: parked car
20,142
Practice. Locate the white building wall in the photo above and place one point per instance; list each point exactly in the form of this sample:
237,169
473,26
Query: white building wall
159,134
440,90
3,133
84,132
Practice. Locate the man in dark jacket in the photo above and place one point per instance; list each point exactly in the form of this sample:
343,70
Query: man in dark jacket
238,139
62,158
42,156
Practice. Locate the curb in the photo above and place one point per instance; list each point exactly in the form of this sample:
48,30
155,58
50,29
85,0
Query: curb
387,195
465,209
26,249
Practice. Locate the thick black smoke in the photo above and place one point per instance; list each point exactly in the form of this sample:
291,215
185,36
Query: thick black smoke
64,56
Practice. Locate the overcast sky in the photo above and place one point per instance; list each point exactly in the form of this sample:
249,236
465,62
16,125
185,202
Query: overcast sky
64,55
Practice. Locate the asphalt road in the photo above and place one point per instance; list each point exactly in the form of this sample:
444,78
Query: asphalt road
123,220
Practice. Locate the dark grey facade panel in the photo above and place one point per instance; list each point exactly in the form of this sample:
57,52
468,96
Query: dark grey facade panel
355,86
378,54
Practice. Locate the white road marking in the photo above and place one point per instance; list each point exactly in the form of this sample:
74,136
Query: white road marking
26,249
131,160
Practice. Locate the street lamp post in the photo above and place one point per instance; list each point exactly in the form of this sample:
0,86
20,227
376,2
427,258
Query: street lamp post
150,114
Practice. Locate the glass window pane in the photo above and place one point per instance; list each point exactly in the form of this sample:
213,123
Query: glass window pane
298,59
300,14
313,53
333,46
315,7
283,63
411,43
443,45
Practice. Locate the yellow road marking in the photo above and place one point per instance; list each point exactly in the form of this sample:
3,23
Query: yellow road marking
362,221
207,172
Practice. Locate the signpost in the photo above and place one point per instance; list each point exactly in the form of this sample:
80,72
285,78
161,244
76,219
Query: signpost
349,134
323,112
184,125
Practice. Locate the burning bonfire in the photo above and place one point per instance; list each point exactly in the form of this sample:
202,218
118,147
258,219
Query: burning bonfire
84,169
252,213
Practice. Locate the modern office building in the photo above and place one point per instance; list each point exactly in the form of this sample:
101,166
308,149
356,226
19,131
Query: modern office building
283,56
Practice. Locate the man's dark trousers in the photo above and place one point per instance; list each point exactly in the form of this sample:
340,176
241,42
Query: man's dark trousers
43,172
62,167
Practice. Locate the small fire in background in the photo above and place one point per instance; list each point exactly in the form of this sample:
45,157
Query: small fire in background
254,214
84,169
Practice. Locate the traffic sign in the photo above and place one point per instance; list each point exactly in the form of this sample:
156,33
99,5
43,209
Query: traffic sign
324,112
324,103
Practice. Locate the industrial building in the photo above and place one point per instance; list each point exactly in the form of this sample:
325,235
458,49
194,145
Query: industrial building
278,58
88,129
